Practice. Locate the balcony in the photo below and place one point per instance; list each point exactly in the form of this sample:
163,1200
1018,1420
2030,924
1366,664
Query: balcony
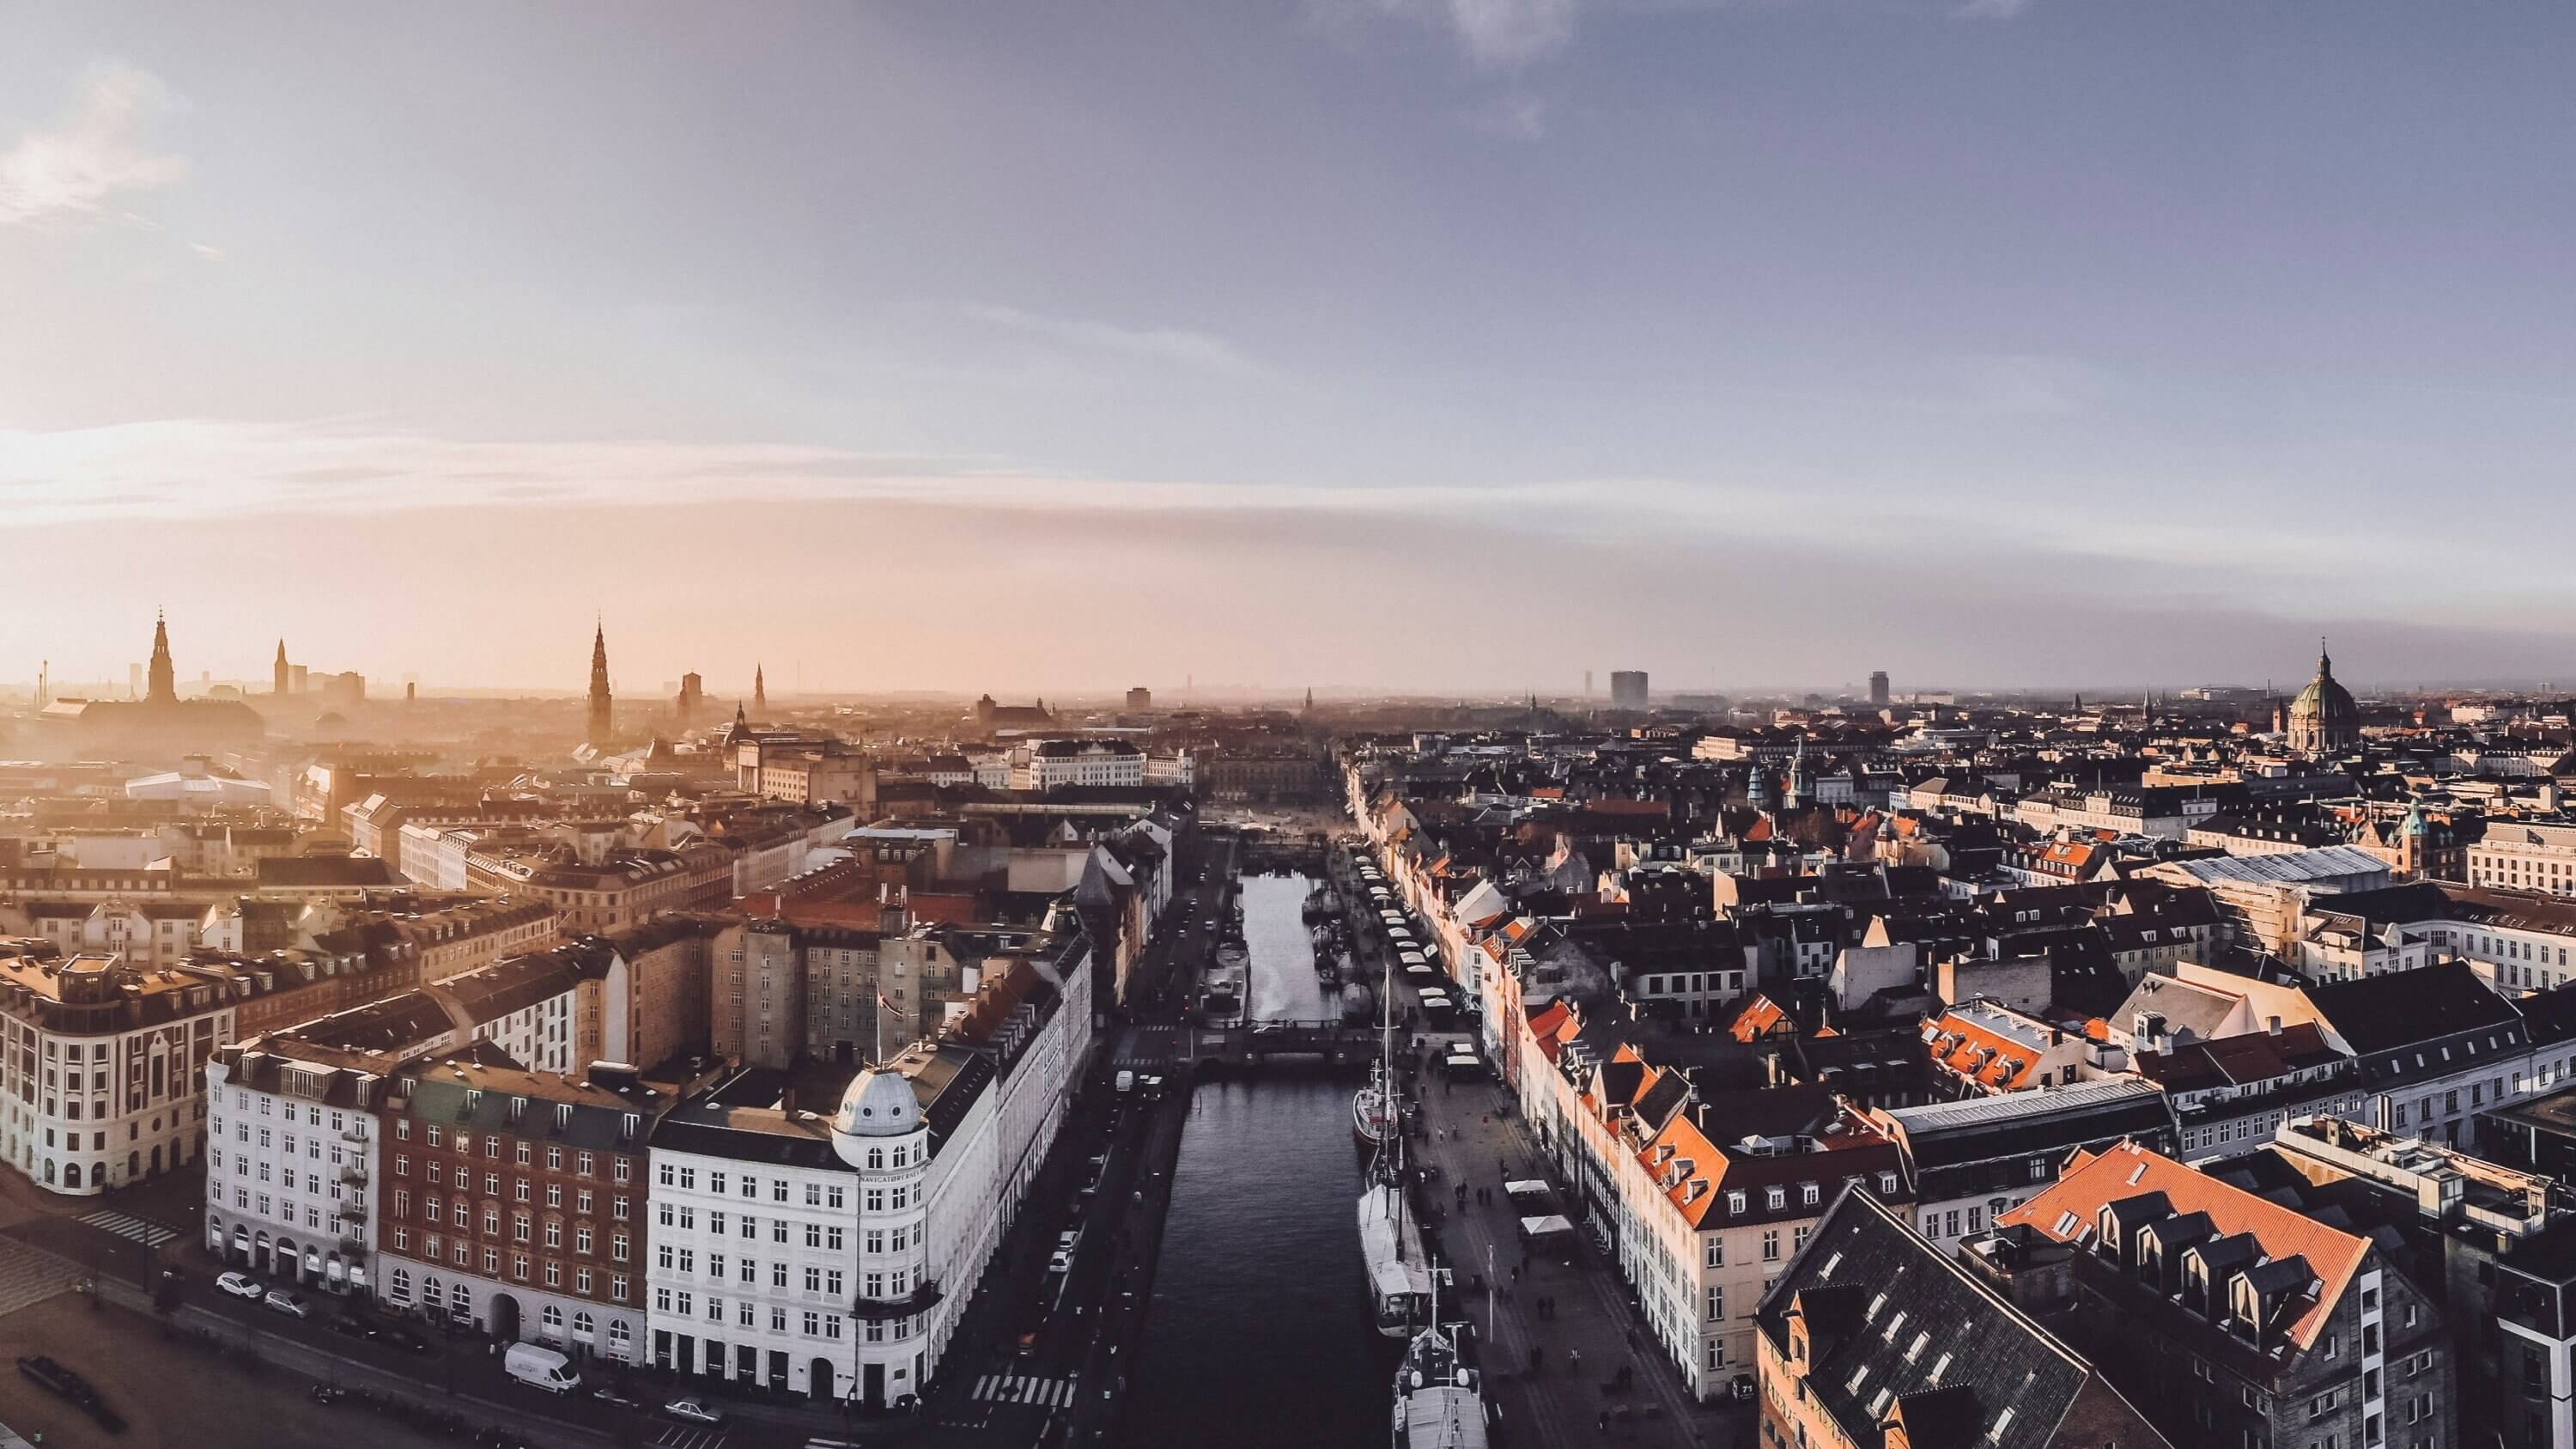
881,1310
354,1173
352,1211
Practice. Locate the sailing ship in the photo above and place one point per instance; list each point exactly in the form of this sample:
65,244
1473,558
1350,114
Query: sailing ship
1437,1402
1390,1241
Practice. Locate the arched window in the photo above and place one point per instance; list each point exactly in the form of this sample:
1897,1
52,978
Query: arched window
432,1293
581,1325
876,1158
400,1288
71,1174
552,1318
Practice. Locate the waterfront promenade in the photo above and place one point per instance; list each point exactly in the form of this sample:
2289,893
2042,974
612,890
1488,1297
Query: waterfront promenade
1563,1405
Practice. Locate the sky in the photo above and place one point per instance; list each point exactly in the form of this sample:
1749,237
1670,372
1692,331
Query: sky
1422,345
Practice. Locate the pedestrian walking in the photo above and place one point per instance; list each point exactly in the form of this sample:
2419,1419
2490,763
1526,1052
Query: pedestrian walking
1574,1359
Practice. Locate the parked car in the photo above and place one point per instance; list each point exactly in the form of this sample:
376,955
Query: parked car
292,1304
350,1326
1061,1261
608,1394
402,1336
241,1285
696,1411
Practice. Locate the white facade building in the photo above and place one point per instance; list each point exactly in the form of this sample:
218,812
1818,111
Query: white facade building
291,1158
832,1256
100,1076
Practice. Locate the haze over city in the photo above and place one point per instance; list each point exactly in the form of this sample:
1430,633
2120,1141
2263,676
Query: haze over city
1362,344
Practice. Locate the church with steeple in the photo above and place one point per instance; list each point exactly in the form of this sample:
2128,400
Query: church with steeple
159,727
600,730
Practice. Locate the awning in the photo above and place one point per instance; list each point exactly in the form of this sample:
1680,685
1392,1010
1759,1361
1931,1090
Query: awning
1525,1187
1542,1227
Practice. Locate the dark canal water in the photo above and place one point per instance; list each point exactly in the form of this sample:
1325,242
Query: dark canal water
1259,1333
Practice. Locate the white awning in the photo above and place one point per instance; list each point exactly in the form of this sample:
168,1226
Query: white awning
1541,1227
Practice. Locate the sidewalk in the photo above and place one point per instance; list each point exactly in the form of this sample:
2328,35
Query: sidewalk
1562,1406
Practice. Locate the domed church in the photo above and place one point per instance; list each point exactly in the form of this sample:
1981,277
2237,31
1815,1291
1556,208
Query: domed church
2323,719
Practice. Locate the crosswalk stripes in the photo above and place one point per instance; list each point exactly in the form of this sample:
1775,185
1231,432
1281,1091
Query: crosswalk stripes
1025,1389
126,1225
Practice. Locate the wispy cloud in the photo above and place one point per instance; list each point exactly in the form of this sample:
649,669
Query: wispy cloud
1511,32
1176,346
70,170
1514,118
1497,34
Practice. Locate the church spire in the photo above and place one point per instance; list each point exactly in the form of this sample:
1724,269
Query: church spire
599,701
161,685
278,673
759,688
2325,662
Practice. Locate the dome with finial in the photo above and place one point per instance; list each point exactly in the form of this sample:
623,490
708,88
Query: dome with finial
2323,715
879,1103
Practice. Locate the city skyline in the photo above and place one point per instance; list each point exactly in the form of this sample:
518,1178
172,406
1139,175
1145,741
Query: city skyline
2013,341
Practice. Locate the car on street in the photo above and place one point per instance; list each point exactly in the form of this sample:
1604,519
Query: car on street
1061,1262
609,1394
696,1411
350,1326
402,1336
240,1285
293,1305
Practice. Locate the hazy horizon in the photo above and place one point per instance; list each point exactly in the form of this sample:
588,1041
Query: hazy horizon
1438,347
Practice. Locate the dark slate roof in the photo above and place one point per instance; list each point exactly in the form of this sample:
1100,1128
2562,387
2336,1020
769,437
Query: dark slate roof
2402,1008
485,1097
2030,1124
2419,900
326,870
1859,1271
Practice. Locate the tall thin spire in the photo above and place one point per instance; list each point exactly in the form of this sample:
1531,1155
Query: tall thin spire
161,684
599,701
759,688
278,674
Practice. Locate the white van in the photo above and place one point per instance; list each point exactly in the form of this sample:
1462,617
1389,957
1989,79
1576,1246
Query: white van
542,1367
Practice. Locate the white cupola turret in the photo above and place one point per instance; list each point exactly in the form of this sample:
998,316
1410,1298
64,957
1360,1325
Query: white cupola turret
879,1104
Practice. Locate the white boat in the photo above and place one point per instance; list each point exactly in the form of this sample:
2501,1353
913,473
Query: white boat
1390,1241
1399,1279
1369,1112
1437,1402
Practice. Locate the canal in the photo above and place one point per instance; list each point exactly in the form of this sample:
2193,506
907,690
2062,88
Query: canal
1259,1333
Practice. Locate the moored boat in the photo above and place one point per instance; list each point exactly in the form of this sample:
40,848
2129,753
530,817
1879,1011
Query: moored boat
1438,1403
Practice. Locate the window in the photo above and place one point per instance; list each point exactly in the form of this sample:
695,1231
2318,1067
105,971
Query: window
1771,1245
1716,1304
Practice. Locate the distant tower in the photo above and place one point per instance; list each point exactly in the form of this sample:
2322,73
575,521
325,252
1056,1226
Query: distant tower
1587,684
759,688
161,683
279,675
599,704
1878,695
44,684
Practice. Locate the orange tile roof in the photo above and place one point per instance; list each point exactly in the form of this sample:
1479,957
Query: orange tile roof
1967,1041
2129,1170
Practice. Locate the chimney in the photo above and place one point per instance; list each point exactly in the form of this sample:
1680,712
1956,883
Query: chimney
2272,1024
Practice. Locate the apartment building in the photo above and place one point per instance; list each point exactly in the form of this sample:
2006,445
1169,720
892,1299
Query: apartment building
292,1160
516,1201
